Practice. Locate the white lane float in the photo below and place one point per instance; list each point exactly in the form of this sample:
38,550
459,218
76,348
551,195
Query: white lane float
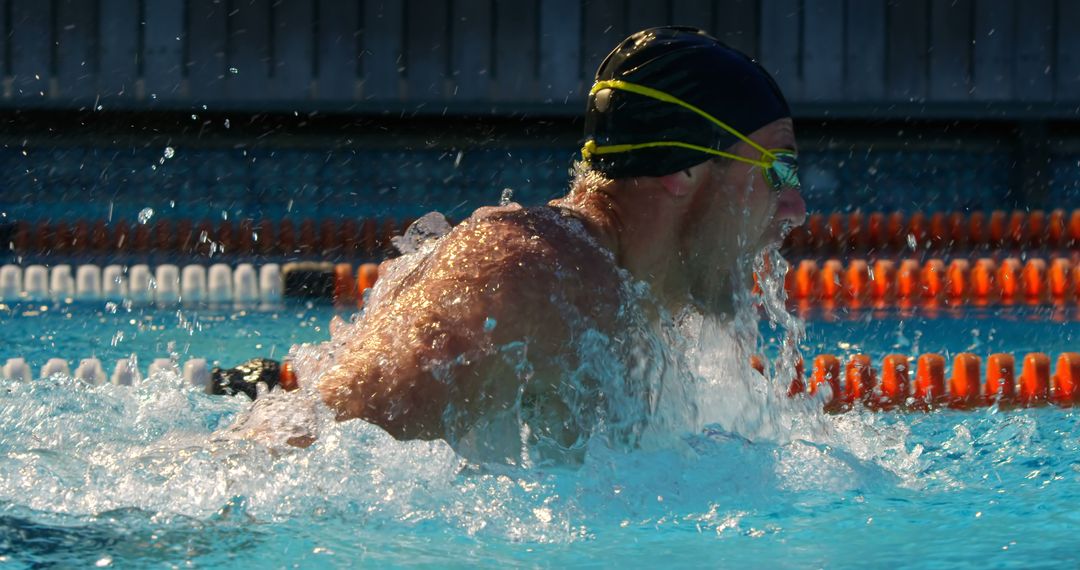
88,283
11,280
193,284
167,284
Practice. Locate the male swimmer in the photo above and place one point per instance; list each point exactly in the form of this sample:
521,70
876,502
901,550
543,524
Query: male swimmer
526,323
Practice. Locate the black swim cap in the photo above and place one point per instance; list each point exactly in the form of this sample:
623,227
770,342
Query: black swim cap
693,66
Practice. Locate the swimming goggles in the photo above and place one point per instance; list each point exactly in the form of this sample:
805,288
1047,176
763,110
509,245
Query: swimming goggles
780,167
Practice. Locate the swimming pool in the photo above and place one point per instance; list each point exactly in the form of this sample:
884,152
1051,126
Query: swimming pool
129,476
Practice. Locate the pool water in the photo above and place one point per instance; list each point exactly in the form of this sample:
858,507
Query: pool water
133,476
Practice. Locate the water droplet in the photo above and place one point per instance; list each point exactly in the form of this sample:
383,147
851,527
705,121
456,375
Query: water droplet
170,152
145,214
911,242
507,197
234,71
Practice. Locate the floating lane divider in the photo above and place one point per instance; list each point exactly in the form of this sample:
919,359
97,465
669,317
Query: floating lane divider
842,386
858,383
168,284
164,284
961,281
897,232
833,233
243,378
330,238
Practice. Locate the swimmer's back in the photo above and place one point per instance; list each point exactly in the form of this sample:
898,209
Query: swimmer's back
490,312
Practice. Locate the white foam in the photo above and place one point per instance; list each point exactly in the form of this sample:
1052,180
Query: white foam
113,283
197,373
55,366
140,282
17,369
270,283
220,283
90,371
245,284
36,282
10,282
88,282
167,280
193,284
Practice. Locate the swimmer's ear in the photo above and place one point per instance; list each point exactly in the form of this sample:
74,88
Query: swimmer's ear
682,183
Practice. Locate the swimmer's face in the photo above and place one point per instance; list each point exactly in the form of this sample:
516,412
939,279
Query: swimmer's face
736,211
754,212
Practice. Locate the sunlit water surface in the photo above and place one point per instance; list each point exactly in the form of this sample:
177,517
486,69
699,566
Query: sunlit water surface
135,475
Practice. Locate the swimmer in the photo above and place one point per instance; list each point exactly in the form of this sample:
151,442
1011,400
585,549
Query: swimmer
688,169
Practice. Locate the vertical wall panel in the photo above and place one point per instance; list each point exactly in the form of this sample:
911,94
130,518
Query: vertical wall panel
4,71
995,43
294,49
781,46
907,55
1068,52
76,57
1034,55
338,50
206,65
471,45
864,72
696,13
641,14
118,38
950,50
516,26
426,49
31,38
382,46
249,51
823,50
163,51
737,23
602,30
560,49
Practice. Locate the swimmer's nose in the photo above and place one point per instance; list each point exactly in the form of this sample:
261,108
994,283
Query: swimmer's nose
791,207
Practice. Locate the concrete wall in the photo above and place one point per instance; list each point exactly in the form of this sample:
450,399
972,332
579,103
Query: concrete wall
852,58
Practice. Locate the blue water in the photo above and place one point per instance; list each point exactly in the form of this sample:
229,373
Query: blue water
131,476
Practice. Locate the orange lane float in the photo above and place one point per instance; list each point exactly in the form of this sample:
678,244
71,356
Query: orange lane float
861,387
366,277
986,281
826,373
894,381
1067,379
345,285
859,380
1000,378
929,379
287,378
1034,385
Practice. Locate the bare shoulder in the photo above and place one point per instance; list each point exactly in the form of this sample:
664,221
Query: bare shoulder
524,258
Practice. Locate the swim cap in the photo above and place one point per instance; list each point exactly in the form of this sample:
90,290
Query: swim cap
694,67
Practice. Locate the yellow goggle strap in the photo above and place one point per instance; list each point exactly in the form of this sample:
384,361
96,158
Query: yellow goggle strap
592,148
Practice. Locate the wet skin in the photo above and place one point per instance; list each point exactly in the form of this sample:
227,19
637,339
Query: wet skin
520,277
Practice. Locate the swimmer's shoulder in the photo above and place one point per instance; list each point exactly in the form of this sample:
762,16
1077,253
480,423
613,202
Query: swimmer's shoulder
551,236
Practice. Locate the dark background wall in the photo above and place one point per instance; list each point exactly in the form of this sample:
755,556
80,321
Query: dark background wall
851,58
320,110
